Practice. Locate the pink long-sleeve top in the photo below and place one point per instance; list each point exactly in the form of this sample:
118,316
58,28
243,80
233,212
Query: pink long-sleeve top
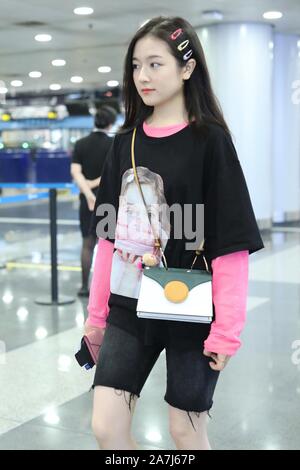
229,285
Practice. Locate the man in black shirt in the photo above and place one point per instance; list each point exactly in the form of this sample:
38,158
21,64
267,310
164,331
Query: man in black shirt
87,163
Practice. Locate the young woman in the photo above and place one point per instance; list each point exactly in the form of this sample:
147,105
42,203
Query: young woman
184,142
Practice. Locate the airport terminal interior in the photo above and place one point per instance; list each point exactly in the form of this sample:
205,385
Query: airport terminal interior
45,396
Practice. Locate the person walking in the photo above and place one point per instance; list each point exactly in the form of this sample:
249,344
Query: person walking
86,167
185,156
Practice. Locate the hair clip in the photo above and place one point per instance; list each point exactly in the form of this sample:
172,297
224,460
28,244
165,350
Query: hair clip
183,44
176,33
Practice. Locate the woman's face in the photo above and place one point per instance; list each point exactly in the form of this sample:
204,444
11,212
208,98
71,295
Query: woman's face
155,68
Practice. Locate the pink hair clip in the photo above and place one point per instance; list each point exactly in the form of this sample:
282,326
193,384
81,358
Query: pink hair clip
176,33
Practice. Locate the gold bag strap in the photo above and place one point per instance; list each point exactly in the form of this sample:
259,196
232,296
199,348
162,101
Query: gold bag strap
157,240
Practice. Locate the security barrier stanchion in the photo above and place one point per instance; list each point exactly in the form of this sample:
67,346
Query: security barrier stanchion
54,299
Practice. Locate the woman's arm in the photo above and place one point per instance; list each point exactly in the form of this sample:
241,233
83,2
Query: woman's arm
83,184
229,290
100,286
94,183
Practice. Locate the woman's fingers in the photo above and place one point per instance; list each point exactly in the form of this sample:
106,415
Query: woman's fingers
131,258
207,353
122,254
127,257
220,360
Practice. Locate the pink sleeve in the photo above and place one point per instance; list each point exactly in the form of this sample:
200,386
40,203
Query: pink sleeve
229,292
100,286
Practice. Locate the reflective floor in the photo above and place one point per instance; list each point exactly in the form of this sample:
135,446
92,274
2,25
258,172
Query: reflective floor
45,401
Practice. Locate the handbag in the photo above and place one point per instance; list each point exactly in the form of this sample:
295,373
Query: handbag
173,293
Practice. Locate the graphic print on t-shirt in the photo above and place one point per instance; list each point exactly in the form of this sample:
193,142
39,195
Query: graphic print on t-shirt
134,236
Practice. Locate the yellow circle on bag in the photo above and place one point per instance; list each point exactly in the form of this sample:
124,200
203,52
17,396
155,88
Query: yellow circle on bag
176,291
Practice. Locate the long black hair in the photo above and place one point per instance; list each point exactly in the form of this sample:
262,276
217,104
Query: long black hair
200,102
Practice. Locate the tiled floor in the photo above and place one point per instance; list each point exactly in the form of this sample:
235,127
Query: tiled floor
45,401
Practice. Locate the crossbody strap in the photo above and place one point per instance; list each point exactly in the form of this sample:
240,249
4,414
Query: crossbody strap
156,238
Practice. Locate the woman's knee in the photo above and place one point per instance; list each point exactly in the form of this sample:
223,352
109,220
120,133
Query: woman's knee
111,414
184,424
100,429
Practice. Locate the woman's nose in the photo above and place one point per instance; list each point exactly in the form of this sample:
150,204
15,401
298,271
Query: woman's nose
143,76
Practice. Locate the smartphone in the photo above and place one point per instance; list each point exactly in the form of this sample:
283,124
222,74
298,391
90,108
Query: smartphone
83,356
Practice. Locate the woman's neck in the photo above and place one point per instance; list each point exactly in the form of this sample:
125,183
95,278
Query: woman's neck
162,124
168,114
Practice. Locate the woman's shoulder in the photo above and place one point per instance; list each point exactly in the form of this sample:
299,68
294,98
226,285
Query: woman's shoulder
211,130
122,135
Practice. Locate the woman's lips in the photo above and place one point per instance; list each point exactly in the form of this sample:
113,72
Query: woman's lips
147,90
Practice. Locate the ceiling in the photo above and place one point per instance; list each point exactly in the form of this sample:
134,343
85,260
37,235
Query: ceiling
87,42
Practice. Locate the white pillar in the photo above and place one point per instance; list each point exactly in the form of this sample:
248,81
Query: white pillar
239,57
286,135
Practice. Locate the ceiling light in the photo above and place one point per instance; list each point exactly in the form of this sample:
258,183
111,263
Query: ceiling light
3,90
112,83
76,79
272,15
55,86
104,69
43,37
16,83
35,74
83,11
58,62
211,15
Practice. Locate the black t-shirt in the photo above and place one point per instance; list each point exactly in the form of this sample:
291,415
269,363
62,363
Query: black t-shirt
184,169
90,153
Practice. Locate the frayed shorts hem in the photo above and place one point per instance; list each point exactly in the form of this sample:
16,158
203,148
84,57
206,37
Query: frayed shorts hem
188,409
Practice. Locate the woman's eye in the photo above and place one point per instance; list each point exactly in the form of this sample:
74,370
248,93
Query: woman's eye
153,65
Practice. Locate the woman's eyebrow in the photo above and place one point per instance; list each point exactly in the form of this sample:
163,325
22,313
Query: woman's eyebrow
149,57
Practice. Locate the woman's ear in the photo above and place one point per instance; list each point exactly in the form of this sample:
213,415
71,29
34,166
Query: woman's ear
189,68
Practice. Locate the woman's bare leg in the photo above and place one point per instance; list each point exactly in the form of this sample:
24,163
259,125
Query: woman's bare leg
112,417
188,430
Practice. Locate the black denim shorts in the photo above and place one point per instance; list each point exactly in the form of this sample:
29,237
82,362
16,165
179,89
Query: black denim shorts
125,362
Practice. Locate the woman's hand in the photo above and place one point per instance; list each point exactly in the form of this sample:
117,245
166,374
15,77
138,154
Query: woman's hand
88,328
219,360
128,257
91,199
